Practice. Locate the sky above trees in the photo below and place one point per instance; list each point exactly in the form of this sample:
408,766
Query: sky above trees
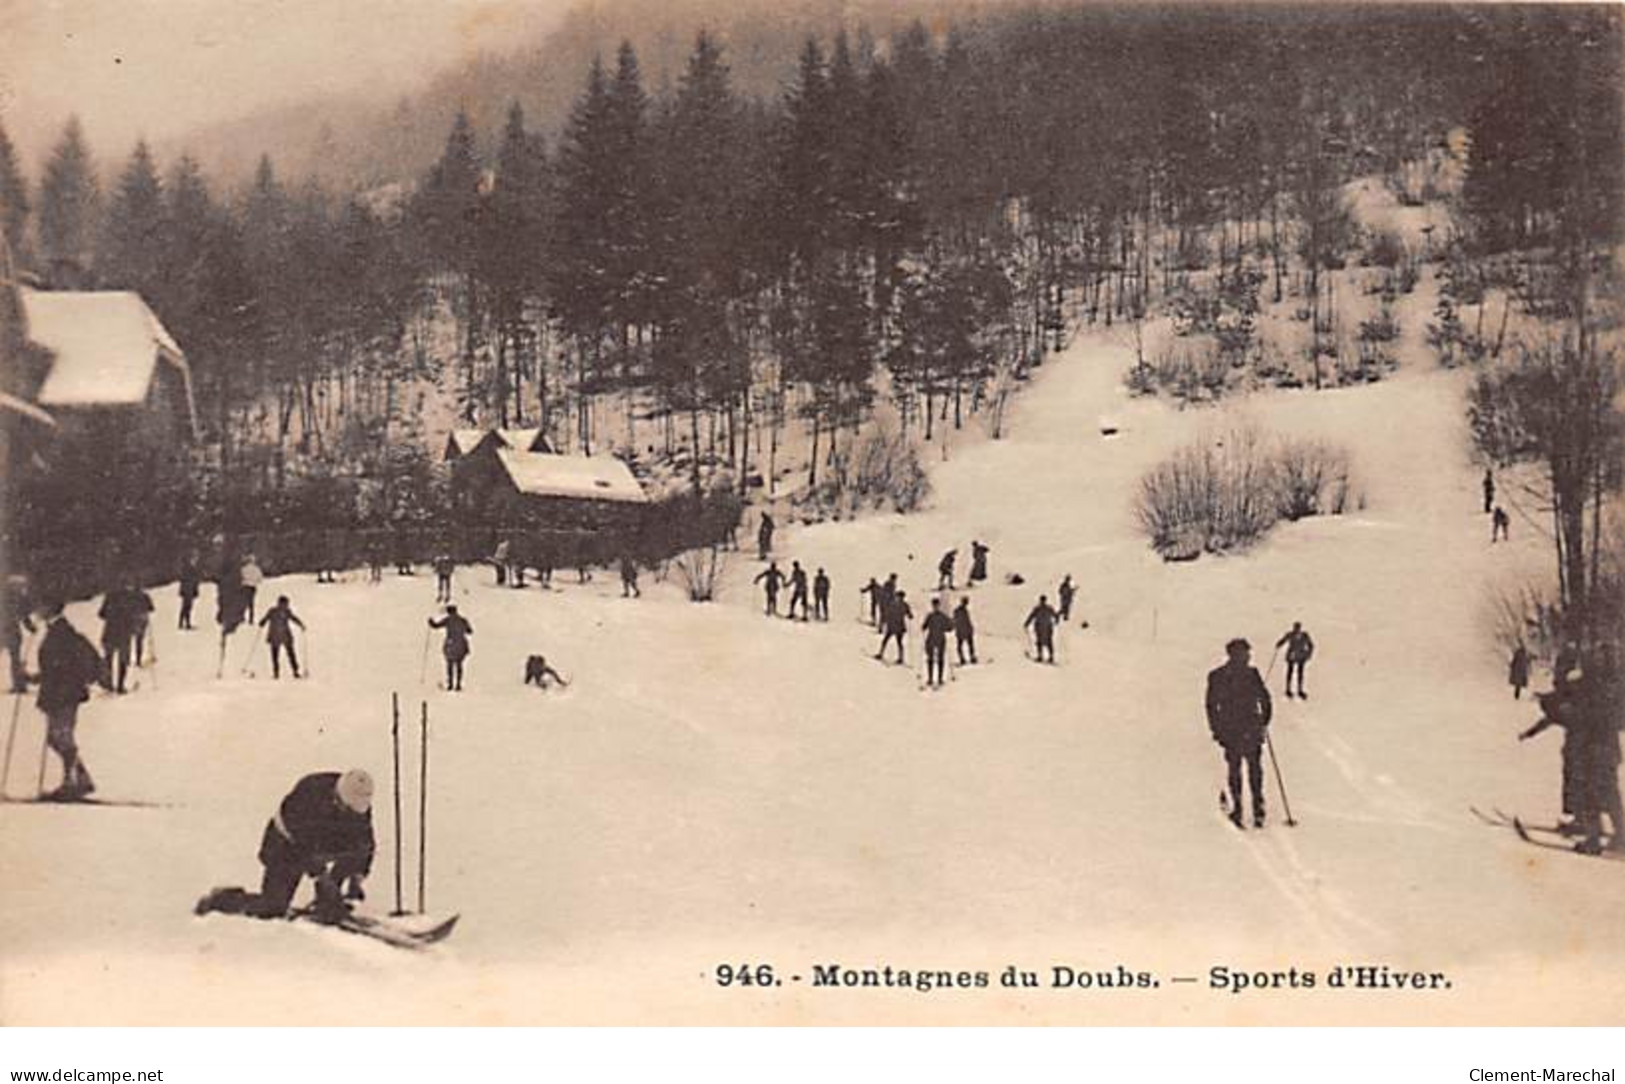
160,68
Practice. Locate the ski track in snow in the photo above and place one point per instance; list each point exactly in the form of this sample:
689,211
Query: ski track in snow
713,782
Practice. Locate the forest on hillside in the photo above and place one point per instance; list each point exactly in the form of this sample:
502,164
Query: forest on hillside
687,270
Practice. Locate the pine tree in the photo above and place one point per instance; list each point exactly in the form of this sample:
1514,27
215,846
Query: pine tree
68,208
14,202
128,257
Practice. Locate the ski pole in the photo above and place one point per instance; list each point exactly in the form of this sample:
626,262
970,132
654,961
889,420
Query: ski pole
1280,785
395,741
423,804
310,655
248,659
423,668
1270,669
11,737
39,788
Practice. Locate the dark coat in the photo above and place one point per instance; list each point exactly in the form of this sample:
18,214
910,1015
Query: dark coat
936,627
122,612
458,630
69,664
963,629
1299,646
313,828
1042,621
277,622
1238,707
897,616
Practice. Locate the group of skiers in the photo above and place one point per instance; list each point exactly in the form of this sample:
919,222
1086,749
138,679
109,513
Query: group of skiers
773,579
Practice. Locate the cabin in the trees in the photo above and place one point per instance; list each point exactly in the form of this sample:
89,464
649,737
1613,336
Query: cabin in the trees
466,442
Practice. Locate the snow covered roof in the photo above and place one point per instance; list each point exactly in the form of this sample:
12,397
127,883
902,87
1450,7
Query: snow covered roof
464,441
105,346
579,477
524,440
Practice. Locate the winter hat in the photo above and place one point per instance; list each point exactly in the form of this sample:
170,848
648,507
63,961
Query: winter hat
354,789
1238,644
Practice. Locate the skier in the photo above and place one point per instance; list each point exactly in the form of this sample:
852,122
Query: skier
1042,621
629,577
978,562
964,632
1518,671
1489,490
945,571
873,591
821,596
798,590
764,537
189,580
141,620
896,620
456,648
1500,526
279,635
1559,708
444,566
119,611
1065,594
500,560
1238,717
228,603
1299,650
321,830
537,671
375,560
68,665
14,621
770,579
936,627
888,596
252,577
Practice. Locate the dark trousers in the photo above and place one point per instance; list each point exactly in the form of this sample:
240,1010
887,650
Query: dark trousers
442,588
454,672
1254,758
284,870
277,648
965,643
186,611
60,723
891,634
1066,608
936,657
117,653
821,607
1046,645
801,597
248,602
1295,666
772,603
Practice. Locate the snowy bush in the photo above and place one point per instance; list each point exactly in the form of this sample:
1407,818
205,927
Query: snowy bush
1226,493
880,469
700,572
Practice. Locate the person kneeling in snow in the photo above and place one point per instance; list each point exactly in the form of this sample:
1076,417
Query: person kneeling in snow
322,830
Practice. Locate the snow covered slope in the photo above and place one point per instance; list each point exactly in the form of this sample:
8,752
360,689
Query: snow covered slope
715,787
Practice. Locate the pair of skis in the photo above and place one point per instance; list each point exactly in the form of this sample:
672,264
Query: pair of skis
389,931
1552,837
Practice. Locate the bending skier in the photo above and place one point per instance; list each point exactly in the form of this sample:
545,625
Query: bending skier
321,830
1238,717
1042,621
770,578
945,571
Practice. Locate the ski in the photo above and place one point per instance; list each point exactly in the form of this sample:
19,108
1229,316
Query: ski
390,933
111,803
1524,831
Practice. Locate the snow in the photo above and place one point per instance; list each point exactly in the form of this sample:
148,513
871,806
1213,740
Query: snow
105,345
718,787
583,477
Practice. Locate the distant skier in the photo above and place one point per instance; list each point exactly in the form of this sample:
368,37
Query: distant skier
764,537
456,647
120,611
141,623
444,566
1238,717
964,633
252,577
1489,490
499,561
770,578
1042,620
228,605
896,619
1300,648
872,592
189,581
936,627
1500,526
821,595
978,562
1518,671
1065,593
14,622
375,560
798,590
629,577
321,830
68,666
278,622
945,571
537,671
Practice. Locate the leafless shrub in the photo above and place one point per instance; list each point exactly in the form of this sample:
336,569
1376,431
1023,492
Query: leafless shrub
700,571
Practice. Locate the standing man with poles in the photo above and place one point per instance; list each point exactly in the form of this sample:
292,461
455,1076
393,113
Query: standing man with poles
1238,717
